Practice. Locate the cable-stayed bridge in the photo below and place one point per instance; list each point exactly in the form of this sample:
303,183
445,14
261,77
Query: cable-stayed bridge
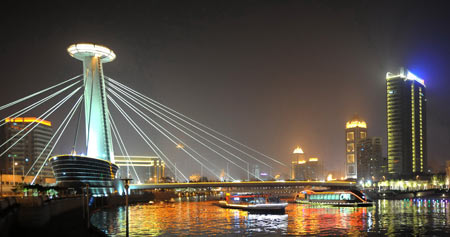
208,149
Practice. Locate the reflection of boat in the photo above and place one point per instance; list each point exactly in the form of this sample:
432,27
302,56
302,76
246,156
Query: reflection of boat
253,203
351,198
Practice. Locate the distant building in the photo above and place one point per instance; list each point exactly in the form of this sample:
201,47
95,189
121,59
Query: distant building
310,169
355,130
406,125
18,160
256,172
150,169
305,169
369,160
314,169
298,156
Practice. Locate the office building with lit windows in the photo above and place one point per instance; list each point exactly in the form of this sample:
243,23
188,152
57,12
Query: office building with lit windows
298,157
18,160
305,169
369,159
355,130
406,124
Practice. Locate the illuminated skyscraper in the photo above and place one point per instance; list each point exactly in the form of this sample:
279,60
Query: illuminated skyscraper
21,157
355,130
298,157
406,124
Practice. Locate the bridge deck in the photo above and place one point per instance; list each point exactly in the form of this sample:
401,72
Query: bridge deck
343,184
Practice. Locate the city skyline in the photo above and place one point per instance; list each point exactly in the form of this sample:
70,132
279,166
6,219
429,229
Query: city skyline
268,91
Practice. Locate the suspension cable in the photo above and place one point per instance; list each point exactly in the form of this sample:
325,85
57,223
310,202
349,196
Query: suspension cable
128,104
117,134
34,105
37,93
146,118
158,114
185,145
162,106
56,142
44,116
69,116
146,139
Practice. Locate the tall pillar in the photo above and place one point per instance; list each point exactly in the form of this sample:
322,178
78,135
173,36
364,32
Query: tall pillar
98,132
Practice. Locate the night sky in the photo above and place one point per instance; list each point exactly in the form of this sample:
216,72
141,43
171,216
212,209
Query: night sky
271,74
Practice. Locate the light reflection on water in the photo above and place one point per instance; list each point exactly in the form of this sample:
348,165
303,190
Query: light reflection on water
394,217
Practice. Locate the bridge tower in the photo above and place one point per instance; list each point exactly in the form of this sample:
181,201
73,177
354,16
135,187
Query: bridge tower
98,133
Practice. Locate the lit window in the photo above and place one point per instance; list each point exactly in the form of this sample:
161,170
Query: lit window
351,147
363,135
351,159
350,136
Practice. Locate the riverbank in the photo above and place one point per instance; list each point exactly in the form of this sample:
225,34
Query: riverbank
27,216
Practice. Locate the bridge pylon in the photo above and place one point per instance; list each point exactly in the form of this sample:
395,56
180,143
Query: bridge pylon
98,132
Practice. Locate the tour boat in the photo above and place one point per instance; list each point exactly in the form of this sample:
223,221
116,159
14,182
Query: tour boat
256,203
351,198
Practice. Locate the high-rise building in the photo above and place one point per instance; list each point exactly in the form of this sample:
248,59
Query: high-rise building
369,159
406,124
310,169
298,157
21,157
355,130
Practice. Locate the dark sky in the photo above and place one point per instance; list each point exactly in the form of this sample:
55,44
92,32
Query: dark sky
271,74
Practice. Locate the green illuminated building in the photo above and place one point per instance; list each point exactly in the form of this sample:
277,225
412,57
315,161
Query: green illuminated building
406,124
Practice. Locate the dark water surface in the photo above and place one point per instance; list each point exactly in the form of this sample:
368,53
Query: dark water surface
387,217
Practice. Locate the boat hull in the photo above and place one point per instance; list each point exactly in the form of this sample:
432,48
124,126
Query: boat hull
339,204
256,208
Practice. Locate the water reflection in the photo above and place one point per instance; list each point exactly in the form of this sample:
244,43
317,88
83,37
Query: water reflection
395,217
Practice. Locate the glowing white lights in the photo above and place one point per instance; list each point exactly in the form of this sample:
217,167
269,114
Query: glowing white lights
81,51
408,76
298,150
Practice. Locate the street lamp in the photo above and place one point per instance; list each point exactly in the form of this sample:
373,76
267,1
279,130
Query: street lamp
126,184
14,171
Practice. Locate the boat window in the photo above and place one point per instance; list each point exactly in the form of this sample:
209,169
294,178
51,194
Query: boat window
345,196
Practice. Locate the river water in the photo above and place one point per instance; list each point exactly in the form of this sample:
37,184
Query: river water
387,217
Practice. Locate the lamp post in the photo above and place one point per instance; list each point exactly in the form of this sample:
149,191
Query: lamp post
126,185
14,171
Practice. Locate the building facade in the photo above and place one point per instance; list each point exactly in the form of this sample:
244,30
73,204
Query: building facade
18,160
369,160
305,169
310,169
298,157
150,169
355,130
406,124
